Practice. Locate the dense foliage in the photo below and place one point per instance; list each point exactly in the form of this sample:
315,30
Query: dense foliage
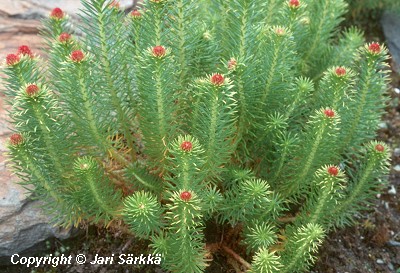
255,116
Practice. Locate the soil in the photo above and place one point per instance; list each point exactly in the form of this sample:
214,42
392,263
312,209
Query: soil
372,245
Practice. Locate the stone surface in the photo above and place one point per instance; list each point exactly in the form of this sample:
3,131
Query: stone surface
22,223
391,28
33,9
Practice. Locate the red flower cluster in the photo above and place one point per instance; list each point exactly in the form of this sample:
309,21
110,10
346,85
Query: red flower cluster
32,90
217,79
380,148
329,113
16,139
187,146
136,14
64,37
333,171
57,13
186,196
374,48
159,51
12,59
340,71
77,56
25,51
294,3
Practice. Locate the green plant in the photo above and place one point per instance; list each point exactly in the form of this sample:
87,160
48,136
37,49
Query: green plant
252,115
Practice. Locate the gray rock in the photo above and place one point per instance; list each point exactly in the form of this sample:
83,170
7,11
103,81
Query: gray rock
35,9
397,168
23,224
391,27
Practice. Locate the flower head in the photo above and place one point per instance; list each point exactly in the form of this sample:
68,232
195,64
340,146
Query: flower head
294,3
333,170
16,139
158,51
64,37
57,13
340,71
12,59
136,14
217,79
32,90
329,113
25,51
186,196
379,148
186,146
77,56
374,48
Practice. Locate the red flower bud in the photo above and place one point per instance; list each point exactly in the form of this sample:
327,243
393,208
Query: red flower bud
64,37
159,51
329,113
57,13
340,71
380,148
136,14
16,139
25,51
186,196
12,59
187,146
294,3
32,90
77,56
217,79
374,48
333,170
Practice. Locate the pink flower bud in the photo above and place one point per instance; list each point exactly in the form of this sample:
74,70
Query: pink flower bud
232,63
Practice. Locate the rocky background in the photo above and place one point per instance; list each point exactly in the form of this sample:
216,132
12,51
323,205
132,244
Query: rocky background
22,222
